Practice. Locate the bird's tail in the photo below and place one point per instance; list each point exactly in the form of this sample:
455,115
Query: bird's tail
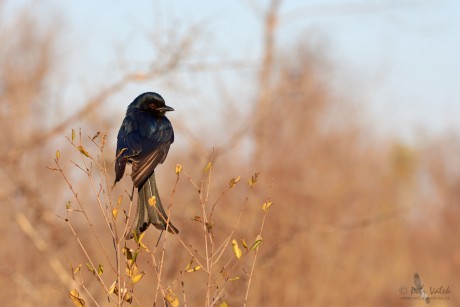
150,210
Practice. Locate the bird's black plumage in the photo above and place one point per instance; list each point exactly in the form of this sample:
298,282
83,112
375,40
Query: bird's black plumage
144,140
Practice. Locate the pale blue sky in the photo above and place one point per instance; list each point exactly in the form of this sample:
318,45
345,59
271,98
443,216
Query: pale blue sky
400,58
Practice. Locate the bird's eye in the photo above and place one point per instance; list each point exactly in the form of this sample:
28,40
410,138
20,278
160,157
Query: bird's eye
152,106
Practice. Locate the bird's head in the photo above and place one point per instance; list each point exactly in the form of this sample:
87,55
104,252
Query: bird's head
150,102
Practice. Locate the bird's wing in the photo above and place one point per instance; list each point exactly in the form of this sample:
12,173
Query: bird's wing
128,145
154,151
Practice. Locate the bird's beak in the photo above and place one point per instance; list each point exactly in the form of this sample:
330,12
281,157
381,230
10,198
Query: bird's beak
164,109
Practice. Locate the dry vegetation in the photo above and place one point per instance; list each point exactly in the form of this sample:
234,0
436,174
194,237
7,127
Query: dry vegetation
354,216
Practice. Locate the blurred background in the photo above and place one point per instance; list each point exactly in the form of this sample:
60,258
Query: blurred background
349,110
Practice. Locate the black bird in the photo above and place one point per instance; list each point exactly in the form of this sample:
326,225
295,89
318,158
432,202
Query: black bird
143,140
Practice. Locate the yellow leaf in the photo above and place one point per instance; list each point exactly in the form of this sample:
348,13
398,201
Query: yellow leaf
127,297
113,288
73,135
100,269
256,243
83,151
114,213
223,304
68,206
197,268
208,167
234,278
172,298
178,168
233,182
266,205
120,199
252,181
189,264
245,245
137,277
152,201
75,297
236,249
141,244
90,268
76,270
58,154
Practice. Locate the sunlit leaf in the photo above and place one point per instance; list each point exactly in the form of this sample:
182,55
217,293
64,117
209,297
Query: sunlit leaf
142,244
114,213
234,278
152,201
113,288
208,167
233,182
58,154
236,249
171,298
194,269
83,151
73,135
223,304
190,263
75,297
100,269
252,181
128,297
245,245
256,243
266,206
137,278
178,168
90,268
76,270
